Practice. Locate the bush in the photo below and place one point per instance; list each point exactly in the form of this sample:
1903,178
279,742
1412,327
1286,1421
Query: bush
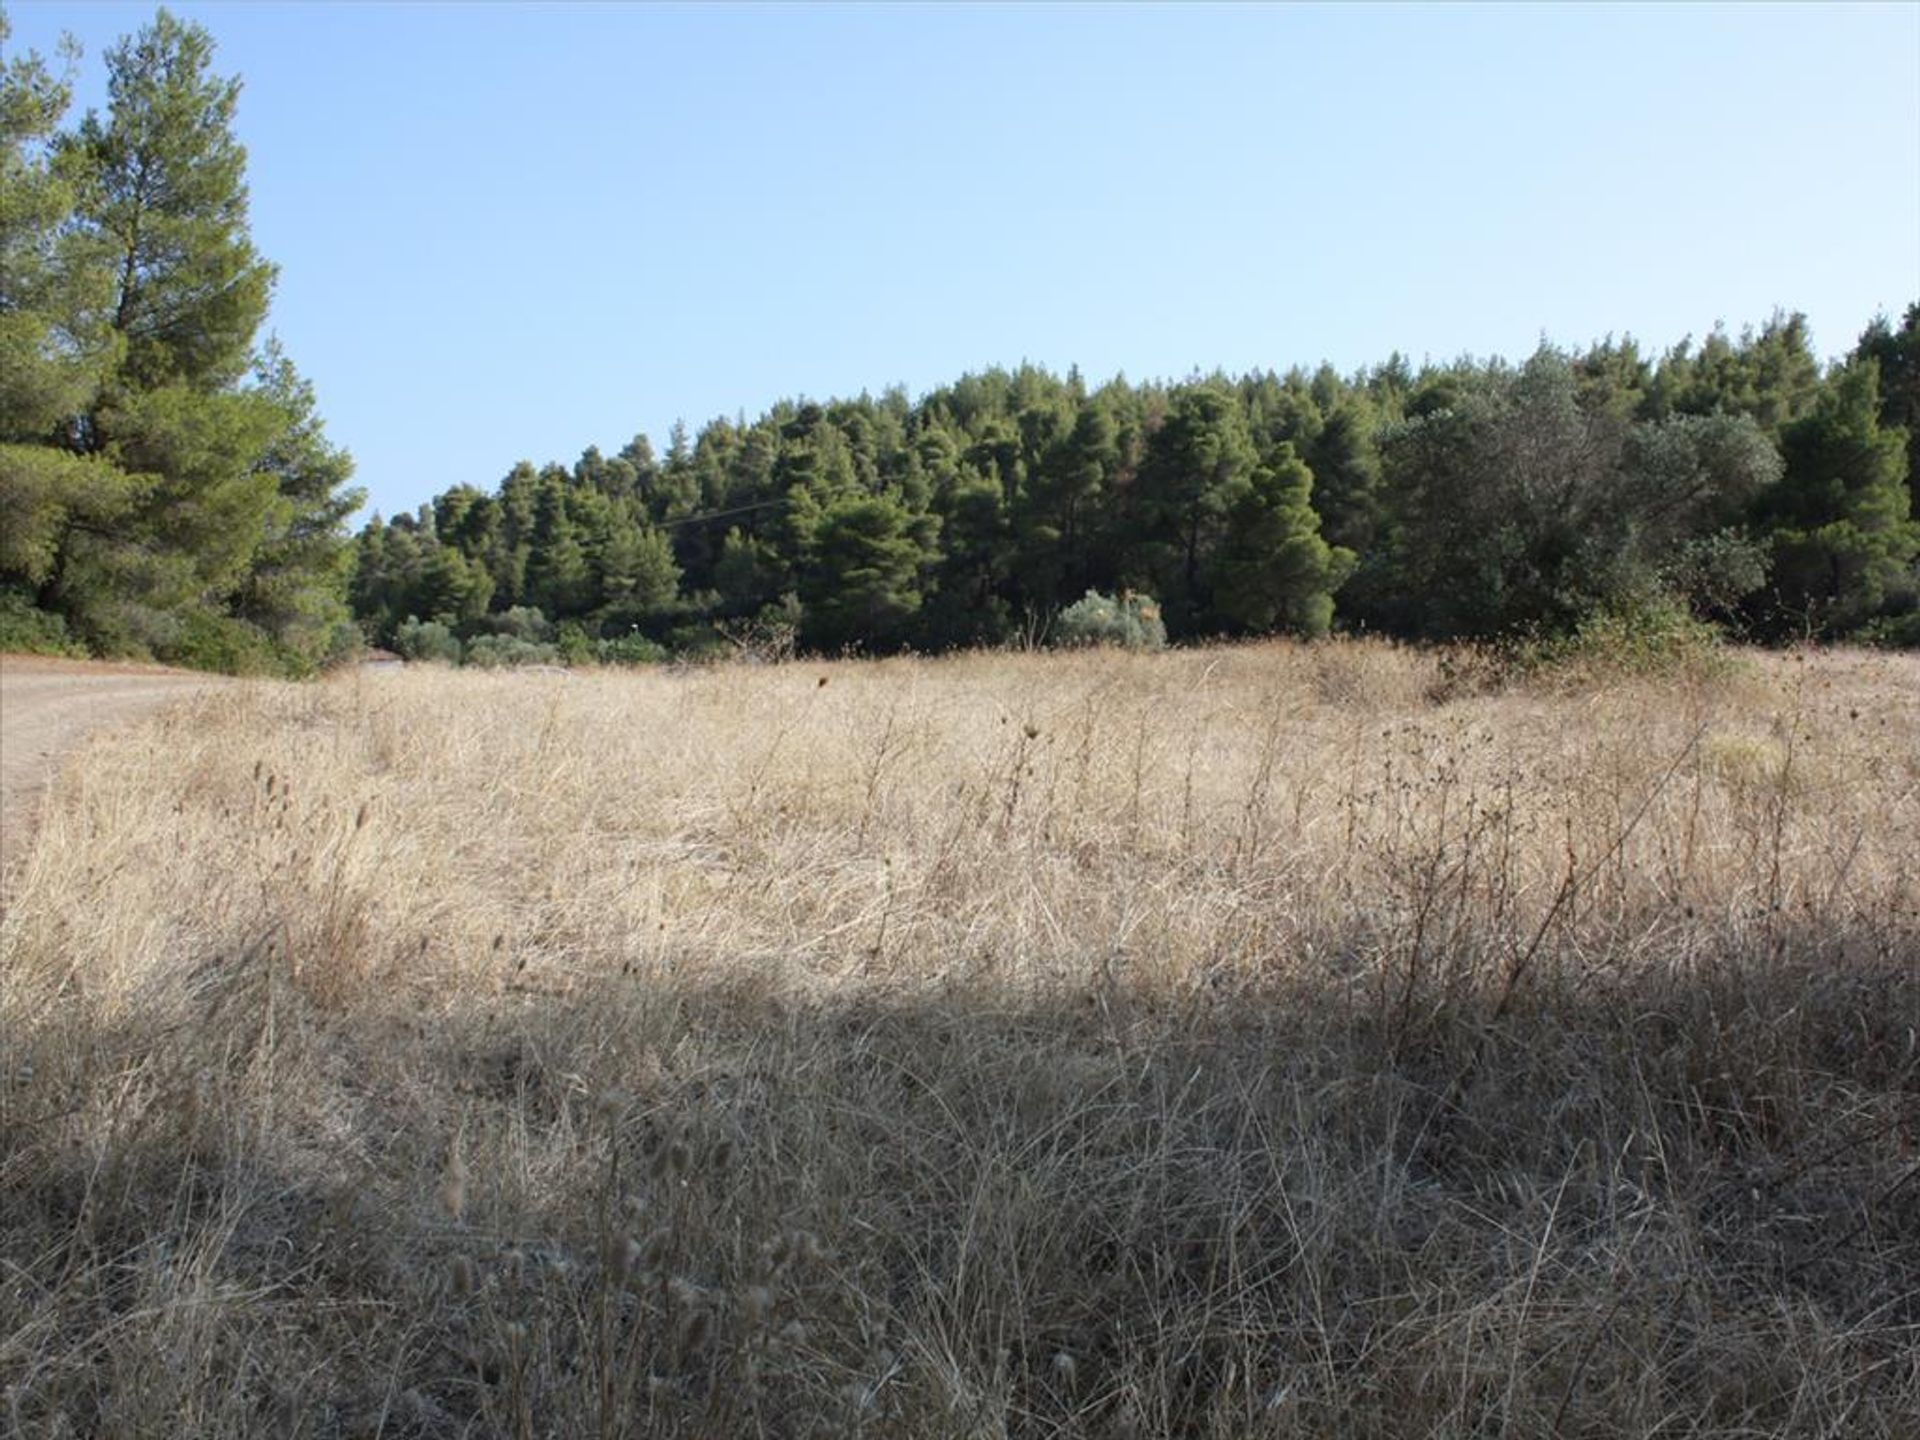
418,639
1131,621
206,641
1644,638
576,647
632,648
1894,632
28,630
495,652
522,622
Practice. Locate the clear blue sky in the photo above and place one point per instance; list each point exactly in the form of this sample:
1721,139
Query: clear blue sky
511,232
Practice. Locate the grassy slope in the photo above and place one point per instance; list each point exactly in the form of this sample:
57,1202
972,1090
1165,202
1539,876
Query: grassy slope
1219,1043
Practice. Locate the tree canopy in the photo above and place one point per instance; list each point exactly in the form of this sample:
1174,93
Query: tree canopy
168,488
1736,477
166,484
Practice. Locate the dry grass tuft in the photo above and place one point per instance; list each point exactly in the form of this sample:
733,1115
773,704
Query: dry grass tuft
1264,1041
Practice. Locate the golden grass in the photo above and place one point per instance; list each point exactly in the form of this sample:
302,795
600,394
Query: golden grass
1231,1042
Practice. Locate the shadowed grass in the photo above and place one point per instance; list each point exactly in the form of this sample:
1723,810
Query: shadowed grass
1217,1043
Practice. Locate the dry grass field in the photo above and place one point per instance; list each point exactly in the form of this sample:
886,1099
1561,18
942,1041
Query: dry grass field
1268,1041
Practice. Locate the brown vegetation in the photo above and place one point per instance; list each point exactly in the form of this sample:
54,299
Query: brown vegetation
1235,1042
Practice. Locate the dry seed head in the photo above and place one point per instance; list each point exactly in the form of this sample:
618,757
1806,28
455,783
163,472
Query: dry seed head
756,1303
610,1105
516,1333
684,1292
463,1278
794,1332
1065,1368
696,1331
780,1251
676,1159
653,1253
453,1185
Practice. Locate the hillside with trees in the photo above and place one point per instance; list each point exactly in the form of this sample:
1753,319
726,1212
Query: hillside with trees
1736,481
167,488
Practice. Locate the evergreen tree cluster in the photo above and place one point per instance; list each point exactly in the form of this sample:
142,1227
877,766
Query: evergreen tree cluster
1468,500
166,487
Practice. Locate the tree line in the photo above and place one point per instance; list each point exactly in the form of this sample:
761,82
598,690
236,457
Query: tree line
1736,480
167,488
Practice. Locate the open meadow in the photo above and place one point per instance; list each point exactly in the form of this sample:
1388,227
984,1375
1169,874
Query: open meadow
1279,1040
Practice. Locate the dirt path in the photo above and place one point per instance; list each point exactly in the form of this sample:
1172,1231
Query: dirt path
46,708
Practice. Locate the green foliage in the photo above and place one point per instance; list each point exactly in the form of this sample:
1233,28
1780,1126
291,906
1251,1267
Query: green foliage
203,640
1897,632
1897,353
56,345
165,191
1471,499
493,652
416,639
1129,621
27,630
1274,570
165,486
1198,465
525,623
1653,637
1514,508
632,648
574,646
863,580
1843,537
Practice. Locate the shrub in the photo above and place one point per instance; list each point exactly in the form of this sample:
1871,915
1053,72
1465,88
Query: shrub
632,648
494,652
27,629
1131,621
1894,632
206,641
1644,638
574,645
418,639
522,622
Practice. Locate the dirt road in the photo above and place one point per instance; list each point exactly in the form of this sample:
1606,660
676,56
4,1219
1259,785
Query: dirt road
46,708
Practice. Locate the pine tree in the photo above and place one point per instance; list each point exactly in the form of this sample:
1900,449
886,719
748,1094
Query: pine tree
863,583
635,573
293,589
1843,532
167,193
1198,464
149,493
559,580
1274,570
56,345
1898,355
